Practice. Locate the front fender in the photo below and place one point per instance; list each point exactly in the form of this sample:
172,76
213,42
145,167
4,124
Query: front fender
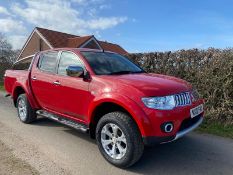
129,105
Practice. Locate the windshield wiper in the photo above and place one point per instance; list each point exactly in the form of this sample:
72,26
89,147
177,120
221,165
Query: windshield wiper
125,72
121,72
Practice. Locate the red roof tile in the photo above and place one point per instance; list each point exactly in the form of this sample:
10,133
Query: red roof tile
56,39
112,47
60,39
78,41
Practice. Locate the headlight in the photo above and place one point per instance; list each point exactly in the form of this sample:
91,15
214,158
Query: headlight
162,103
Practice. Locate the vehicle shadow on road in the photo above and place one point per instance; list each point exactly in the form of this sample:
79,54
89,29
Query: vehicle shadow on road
41,121
185,155
193,153
79,134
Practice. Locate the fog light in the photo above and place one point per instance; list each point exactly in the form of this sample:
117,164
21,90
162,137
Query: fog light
167,127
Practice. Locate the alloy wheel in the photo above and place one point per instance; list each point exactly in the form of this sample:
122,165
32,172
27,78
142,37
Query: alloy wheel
22,108
113,141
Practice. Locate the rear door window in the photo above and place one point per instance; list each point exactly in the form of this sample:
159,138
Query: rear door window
48,61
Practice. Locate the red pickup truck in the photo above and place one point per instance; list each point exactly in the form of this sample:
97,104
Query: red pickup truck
106,95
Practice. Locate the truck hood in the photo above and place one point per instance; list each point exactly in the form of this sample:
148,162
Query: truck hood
153,84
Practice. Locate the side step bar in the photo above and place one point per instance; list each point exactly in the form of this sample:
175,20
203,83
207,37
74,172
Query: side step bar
62,120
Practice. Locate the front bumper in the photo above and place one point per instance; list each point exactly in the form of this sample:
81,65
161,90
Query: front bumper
153,140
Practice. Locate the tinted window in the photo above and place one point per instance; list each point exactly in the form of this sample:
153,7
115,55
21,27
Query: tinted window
23,64
68,59
48,61
104,63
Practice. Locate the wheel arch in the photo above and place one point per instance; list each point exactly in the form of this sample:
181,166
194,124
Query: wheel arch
125,105
18,90
24,88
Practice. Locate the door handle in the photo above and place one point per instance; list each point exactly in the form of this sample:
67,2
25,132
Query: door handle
56,83
34,78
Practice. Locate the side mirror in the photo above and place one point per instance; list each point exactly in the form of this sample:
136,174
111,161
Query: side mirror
74,71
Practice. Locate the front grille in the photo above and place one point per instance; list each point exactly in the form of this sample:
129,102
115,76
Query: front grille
195,95
187,123
183,99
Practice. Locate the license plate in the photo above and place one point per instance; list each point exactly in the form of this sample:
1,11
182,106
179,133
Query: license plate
196,111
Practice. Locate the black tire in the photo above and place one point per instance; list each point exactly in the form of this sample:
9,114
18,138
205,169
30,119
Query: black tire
30,114
135,146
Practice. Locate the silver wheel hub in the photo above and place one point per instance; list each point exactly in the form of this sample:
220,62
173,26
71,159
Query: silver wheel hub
113,141
22,108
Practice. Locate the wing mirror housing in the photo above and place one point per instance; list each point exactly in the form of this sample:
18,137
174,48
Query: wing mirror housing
78,71
75,71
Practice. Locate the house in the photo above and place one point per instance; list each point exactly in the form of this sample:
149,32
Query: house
43,39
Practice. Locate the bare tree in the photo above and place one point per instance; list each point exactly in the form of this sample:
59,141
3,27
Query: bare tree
7,55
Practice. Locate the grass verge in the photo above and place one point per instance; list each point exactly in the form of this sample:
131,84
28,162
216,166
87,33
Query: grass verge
216,128
1,86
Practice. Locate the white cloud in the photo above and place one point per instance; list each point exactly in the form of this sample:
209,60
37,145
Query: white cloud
17,41
9,25
62,16
78,1
104,6
81,17
88,2
92,12
104,23
4,11
57,15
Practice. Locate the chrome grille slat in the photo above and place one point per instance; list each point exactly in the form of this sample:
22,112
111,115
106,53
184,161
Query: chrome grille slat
184,96
183,99
186,99
178,100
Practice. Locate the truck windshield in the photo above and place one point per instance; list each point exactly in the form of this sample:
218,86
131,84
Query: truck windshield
104,63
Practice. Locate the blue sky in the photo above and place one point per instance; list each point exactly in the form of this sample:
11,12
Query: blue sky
138,26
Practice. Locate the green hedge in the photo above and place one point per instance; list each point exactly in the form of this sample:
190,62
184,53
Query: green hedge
1,86
210,71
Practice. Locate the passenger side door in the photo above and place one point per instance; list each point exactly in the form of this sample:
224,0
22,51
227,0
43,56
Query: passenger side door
73,91
42,80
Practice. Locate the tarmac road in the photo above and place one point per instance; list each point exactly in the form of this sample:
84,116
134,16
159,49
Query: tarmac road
56,149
